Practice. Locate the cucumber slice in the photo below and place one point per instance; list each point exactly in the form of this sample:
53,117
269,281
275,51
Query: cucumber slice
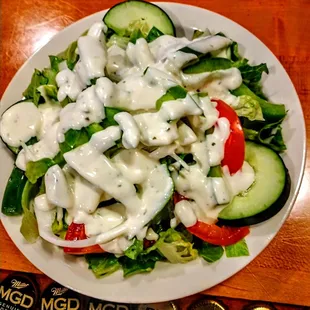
270,189
121,16
208,65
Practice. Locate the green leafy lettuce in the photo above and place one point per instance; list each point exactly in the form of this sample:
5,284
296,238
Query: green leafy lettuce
55,61
31,91
37,169
143,263
269,134
70,55
102,264
250,108
175,247
109,117
207,64
121,42
60,227
29,226
173,93
135,249
271,112
209,252
153,34
238,249
73,139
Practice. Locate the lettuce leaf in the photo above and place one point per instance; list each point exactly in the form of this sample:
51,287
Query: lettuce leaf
48,92
207,64
271,112
70,55
135,35
137,26
93,128
238,249
173,93
55,61
73,139
109,117
175,247
29,227
50,75
253,74
31,92
209,252
268,134
102,264
121,42
37,169
250,108
153,34
135,249
60,228
143,263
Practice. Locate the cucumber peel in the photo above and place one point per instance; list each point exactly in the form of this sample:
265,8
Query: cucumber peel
271,182
124,15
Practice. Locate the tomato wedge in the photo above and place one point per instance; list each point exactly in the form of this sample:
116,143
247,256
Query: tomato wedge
77,232
234,150
218,235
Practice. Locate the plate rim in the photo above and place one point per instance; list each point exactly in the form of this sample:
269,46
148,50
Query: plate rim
281,221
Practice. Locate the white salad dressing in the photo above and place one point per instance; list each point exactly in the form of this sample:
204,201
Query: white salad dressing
86,110
20,123
155,130
221,190
200,153
93,54
57,189
142,90
47,147
49,115
139,54
135,165
45,213
117,246
216,84
216,141
104,219
165,45
186,135
194,184
175,61
183,210
86,198
70,85
151,235
130,138
241,180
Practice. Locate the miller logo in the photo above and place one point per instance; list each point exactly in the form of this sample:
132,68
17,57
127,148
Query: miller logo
57,291
18,284
18,291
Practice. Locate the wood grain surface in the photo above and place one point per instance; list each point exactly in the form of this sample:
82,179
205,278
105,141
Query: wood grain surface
282,272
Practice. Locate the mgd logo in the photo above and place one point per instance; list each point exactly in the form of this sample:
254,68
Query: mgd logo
16,297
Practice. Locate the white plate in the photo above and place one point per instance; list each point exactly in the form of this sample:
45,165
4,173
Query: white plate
167,281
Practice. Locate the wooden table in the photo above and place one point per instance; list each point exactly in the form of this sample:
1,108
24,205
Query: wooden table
282,272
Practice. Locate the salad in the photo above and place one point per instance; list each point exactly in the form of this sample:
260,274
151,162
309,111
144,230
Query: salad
137,146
